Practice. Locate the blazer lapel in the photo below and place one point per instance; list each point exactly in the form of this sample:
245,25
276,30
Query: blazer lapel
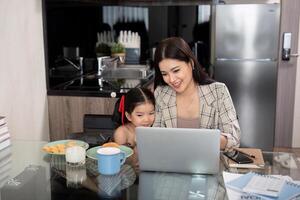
169,111
207,112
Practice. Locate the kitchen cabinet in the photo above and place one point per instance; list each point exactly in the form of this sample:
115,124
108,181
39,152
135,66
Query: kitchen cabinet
66,113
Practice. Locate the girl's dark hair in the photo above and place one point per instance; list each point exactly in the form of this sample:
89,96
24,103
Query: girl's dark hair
133,98
177,48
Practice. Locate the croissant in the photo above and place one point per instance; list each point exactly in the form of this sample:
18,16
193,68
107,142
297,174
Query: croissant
111,144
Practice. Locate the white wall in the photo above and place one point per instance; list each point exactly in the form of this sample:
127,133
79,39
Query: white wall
296,128
23,97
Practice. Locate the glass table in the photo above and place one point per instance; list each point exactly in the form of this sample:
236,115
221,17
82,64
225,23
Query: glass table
29,173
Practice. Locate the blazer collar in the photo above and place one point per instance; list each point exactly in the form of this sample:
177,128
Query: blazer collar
205,93
169,97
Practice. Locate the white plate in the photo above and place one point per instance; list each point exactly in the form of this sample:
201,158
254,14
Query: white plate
92,152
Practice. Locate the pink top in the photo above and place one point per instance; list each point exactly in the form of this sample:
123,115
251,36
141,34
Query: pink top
188,123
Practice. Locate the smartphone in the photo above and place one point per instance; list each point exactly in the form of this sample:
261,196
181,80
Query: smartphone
238,157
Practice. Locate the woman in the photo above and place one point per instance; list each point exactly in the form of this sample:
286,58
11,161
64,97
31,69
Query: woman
187,98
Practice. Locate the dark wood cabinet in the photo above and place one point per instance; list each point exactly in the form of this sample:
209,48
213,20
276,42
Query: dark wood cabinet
66,113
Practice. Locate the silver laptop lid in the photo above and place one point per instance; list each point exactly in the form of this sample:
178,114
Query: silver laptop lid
178,149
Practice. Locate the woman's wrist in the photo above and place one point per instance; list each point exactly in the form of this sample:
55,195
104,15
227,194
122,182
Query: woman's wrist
223,142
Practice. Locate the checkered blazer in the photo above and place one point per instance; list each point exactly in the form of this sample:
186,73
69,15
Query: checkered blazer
216,110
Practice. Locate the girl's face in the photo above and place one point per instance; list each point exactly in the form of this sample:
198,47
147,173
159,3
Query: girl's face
177,74
142,115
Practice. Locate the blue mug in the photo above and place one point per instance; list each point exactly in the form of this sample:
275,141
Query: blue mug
110,160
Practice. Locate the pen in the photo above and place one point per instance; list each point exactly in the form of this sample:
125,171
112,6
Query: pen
246,154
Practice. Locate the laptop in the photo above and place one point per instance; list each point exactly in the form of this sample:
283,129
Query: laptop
180,150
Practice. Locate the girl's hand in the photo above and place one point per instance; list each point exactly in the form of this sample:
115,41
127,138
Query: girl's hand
135,159
129,145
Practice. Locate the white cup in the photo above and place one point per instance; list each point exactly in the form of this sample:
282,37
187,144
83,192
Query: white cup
75,155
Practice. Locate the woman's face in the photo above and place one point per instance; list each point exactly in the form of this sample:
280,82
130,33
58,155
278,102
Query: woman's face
177,74
142,115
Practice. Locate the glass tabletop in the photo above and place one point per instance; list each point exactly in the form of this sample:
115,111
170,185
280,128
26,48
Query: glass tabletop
29,173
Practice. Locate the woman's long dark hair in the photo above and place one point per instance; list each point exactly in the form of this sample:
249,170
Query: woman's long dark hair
177,48
133,98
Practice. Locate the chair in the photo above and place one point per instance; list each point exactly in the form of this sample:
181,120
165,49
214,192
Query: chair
97,130
97,122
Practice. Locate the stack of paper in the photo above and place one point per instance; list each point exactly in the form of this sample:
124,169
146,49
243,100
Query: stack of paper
5,165
236,184
4,134
5,151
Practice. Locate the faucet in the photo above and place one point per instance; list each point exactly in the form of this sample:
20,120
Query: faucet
100,64
71,63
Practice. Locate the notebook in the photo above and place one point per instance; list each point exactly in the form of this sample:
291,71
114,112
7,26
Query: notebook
288,191
258,161
178,150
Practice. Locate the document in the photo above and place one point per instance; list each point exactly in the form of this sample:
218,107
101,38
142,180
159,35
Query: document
235,184
232,194
265,185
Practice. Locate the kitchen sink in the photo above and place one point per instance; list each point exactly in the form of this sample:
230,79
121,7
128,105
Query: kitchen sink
127,73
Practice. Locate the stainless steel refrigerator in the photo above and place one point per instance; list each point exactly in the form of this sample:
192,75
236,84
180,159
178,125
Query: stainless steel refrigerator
246,40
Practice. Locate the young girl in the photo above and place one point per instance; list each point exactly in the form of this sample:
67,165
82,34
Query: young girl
134,109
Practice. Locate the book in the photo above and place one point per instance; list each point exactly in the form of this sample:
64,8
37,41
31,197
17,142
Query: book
6,167
5,144
258,161
3,129
289,190
2,120
5,172
4,136
5,156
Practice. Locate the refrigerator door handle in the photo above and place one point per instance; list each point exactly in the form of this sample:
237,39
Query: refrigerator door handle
294,55
247,59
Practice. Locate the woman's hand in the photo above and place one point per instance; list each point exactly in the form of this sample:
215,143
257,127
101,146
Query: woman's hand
223,142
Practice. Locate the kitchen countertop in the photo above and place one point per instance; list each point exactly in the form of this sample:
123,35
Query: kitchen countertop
91,84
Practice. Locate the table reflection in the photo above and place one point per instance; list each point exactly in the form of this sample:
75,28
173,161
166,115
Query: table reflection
88,177
174,186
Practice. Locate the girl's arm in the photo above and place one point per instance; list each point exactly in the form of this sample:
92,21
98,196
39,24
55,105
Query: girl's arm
120,136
